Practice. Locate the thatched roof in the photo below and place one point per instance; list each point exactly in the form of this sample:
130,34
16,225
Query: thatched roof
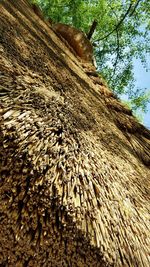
74,162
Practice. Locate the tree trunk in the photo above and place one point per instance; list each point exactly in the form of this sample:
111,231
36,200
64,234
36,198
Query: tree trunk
74,162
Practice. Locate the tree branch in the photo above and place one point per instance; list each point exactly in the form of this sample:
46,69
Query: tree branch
92,29
119,23
117,56
134,8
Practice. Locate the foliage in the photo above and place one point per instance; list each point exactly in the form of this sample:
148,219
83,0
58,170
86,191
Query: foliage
122,34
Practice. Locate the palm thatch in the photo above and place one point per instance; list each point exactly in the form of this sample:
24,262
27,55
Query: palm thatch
74,162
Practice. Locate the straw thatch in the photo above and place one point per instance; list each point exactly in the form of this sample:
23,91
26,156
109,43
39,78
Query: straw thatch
74,162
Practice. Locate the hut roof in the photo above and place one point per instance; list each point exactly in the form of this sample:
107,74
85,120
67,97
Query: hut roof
74,162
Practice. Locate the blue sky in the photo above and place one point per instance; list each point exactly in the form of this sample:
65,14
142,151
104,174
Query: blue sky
143,81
